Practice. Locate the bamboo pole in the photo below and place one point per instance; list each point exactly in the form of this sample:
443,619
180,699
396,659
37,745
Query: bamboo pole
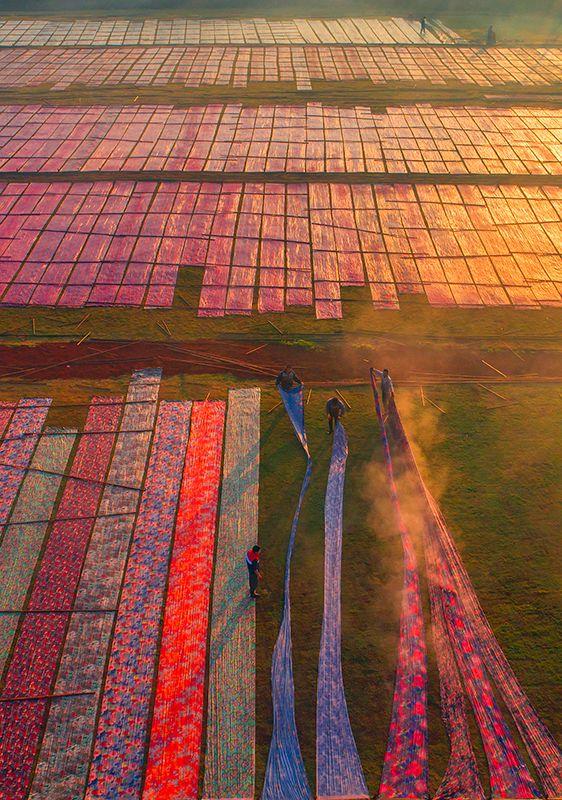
255,349
497,394
343,398
275,406
308,398
429,400
83,339
422,396
276,328
494,368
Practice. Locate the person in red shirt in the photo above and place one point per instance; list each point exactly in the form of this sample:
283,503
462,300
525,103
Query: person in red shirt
253,564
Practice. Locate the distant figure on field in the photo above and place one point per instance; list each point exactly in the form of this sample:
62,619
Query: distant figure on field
334,409
287,379
253,564
491,37
387,387
423,26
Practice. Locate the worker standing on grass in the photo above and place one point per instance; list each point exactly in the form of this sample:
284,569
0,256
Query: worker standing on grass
287,379
423,26
491,37
253,564
387,387
334,409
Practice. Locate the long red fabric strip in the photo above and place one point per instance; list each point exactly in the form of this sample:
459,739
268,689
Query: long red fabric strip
172,771
405,769
32,667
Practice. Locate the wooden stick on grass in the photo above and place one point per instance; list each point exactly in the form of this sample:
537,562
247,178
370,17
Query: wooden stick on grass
276,328
497,394
494,368
429,400
308,398
253,350
83,339
83,320
422,396
33,328
162,328
274,407
515,353
343,398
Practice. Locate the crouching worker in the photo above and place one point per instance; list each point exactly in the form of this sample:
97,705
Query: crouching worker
334,409
253,564
287,379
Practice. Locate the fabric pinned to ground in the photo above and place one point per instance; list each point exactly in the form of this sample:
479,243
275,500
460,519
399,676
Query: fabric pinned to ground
28,523
62,767
230,748
174,755
33,665
119,748
17,448
405,770
285,777
338,769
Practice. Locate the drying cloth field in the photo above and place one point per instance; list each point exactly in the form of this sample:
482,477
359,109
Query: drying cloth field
218,31
187,206
98,580
278,138
238,67
272,246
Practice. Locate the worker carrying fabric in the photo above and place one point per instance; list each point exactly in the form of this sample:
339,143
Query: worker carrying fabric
253,564
287,379
387,387
334,409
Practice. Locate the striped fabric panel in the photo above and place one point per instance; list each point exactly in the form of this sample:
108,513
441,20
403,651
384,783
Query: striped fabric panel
62,766
405,770
17,449
230,748
119,747
24,534
285,776
32,669
338,767
173,764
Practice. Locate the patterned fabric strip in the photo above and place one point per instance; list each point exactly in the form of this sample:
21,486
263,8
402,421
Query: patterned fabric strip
230,747
62,767
120,742
6,411
172,771
285,776
338,767
32,669
405,769
17,449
